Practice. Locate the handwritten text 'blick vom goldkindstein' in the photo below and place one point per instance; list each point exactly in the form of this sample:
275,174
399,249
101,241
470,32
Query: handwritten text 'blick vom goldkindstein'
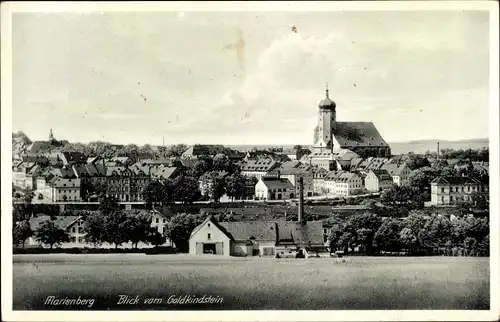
172,299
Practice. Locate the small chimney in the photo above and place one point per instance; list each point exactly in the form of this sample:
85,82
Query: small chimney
301,199
279,174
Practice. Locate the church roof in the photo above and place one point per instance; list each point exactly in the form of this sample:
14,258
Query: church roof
357,134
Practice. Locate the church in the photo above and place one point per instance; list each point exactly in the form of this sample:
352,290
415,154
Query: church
335,140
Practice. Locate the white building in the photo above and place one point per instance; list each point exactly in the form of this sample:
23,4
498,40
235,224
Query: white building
347,184
274,188
378,180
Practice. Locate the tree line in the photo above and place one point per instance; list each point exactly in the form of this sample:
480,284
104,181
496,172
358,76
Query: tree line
109,225
417,234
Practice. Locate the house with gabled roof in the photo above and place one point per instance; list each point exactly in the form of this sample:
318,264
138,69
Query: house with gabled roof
250,238
74,226
450,190
400,172
274,188
378,180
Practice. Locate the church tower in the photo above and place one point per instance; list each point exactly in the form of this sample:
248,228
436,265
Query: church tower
326,119
51,136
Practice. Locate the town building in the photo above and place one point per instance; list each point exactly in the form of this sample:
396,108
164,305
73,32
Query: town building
72,225
319,175
450,190
400,172
293,170
252,238
348,184
274,188
361,138
378,180
258,168
125,184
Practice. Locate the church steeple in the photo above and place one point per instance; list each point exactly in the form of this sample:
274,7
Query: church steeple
327,103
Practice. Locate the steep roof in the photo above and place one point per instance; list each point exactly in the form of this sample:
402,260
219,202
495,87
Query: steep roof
36,222
39,146
345,177
333,175
164,172
262,165
74,157
357,134
64,222
244,230
394,169
455,181
382,175
277,183
303,234
65,183
215,223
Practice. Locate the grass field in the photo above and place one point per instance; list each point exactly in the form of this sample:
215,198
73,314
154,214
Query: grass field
253,283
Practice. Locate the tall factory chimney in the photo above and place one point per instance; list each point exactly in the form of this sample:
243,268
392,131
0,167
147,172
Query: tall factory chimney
301,199
438,150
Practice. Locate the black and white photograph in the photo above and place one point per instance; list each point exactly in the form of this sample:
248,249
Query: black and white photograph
208,158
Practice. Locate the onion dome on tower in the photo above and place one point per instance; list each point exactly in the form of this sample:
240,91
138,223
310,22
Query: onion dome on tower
327,103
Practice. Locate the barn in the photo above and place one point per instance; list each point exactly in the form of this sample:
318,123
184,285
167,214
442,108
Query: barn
251,238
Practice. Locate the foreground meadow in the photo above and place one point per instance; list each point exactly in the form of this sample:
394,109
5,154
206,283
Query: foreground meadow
252,283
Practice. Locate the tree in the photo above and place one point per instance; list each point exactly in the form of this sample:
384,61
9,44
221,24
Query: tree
186,189
155,238
416,161
335,238
137,229
115,231
220,162
362,228
387,236
403,196
180,228
421,181
94,229
408,239
199,168
21,232
436,232
157,192
215,185
48,233
235,186
108,205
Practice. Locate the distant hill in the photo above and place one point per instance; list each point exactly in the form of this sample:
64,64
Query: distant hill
421,146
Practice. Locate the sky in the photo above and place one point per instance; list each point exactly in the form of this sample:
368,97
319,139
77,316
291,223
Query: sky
248,77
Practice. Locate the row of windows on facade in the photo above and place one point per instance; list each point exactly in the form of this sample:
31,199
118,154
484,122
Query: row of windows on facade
158,220
457,189
457,198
